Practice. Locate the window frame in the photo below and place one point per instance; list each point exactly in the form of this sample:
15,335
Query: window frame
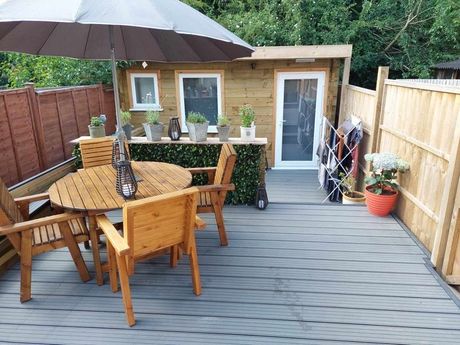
181,75
132,88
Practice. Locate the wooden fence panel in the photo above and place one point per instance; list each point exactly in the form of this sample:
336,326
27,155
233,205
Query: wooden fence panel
36,126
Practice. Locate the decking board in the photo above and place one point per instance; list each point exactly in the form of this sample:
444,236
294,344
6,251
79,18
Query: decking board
274,284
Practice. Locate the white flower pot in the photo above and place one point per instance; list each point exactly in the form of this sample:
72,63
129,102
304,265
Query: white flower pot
248,133
153,132
198,131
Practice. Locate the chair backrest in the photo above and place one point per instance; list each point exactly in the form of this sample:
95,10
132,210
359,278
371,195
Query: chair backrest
160,222
95,152
9,211
225,165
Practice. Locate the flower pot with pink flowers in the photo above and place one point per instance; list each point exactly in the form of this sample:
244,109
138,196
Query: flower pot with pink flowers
382,189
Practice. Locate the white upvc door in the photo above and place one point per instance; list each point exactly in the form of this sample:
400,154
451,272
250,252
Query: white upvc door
299,108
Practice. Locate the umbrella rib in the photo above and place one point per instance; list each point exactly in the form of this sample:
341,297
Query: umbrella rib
46,41
158,44
124,42
87,39
9,31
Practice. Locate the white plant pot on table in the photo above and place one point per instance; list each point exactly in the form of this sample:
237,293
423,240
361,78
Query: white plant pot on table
248,133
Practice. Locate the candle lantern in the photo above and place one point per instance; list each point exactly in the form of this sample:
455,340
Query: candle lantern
174,130
261,197
116,157
126,181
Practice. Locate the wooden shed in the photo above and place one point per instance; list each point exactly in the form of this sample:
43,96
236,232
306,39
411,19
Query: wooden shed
290,89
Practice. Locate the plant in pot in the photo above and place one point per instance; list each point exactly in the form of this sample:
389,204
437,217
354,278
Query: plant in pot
97,126
126,124
197,125
248,129
382,188
350,196
223,127
153,127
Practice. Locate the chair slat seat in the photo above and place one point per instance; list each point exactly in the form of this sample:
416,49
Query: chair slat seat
204,199
51,233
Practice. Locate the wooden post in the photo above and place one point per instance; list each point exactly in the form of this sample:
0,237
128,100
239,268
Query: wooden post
382,75
447,202
37,125
452,244
345,83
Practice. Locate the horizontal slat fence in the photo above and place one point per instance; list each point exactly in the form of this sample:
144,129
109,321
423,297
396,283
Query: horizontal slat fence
419,121
37,126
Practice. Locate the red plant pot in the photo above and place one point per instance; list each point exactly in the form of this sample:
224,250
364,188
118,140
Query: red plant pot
381,205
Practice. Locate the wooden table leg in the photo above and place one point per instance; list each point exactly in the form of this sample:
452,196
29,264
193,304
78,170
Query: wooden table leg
95,247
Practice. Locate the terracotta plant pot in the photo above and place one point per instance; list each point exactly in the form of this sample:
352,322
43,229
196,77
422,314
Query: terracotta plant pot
381,205
356,198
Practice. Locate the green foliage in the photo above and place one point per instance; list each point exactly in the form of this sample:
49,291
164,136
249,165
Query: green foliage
245,176
125,117
152,117
247,115
194,117
223,121
96,121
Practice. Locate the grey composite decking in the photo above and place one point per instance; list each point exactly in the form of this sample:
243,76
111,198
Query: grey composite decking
294,186
293,274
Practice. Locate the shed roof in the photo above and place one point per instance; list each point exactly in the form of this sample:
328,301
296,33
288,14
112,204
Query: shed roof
455,64
301,52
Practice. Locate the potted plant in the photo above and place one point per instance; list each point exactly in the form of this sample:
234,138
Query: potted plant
153,127
197,125
223,127
126,124
97,126
382,188
248,129
350,196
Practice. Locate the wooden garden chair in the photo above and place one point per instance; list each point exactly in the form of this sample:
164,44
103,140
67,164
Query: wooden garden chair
151,226
96,152
212,196
33,237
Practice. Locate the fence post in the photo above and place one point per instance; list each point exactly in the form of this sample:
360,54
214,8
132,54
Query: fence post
447,202
382,75
345,83
37,125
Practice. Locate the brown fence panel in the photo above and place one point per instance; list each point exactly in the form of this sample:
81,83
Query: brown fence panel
36,126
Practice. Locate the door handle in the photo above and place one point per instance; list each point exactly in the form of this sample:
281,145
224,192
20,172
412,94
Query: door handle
281,122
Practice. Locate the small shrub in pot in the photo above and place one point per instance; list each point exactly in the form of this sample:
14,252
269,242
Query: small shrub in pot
223,127
126,124
197,125
153,127
248,129
97,126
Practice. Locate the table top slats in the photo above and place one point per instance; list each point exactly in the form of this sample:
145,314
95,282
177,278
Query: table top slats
94,189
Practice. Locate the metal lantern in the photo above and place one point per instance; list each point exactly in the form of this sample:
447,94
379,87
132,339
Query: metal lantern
126,181
116,157
174,130
261,197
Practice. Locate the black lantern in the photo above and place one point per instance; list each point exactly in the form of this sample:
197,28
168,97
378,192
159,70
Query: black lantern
174,130
126,181
261,197
116,157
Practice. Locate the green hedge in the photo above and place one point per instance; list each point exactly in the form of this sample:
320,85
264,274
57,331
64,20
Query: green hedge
245,175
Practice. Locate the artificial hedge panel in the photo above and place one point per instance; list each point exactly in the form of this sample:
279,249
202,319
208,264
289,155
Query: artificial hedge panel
245,175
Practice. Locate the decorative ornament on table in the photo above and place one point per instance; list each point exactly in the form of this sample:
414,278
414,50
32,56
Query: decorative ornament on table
174,130
116,157
126,181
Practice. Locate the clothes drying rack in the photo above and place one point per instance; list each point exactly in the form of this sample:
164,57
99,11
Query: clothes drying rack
333,161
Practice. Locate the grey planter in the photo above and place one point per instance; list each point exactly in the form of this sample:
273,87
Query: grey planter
153,132
198,131
223,132
96,131
128,129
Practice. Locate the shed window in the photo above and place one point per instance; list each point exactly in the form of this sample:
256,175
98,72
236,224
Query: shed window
144,91
201,92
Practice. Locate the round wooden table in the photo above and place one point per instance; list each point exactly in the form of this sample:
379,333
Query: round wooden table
93,191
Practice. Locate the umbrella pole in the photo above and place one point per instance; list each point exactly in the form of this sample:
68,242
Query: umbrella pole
120,134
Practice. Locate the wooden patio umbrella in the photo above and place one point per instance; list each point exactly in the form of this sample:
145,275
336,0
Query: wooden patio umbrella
152,30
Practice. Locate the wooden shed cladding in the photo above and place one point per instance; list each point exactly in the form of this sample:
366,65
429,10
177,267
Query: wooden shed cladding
243,82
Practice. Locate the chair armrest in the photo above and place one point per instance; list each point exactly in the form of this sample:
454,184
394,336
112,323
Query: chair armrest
200,224
116,240
216,187
30,224
32,198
